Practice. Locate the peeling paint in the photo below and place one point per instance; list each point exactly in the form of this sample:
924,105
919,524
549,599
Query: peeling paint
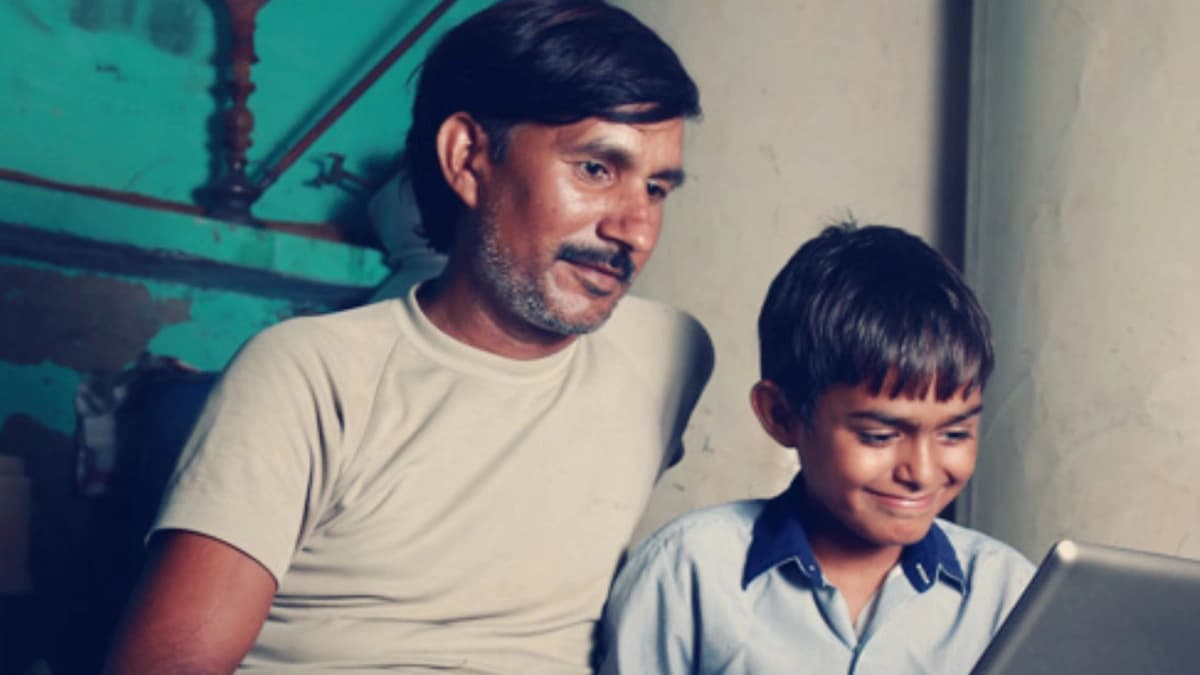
83,322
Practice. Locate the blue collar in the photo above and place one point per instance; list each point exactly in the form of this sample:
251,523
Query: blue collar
779,537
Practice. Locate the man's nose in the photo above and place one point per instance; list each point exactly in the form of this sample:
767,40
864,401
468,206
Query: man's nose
633,221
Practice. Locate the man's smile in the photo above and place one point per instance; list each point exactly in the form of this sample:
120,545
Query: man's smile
600,272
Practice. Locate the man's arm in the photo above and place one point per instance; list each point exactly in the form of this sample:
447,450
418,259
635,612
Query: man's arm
197,610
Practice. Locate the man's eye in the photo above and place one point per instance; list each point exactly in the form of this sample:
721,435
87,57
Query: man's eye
594,169
657,191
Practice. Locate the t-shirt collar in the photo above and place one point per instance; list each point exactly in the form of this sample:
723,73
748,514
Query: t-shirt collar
779,537
465,358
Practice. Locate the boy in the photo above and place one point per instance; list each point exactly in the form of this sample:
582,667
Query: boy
874,354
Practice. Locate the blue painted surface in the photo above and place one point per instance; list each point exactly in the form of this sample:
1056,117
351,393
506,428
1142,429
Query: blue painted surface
119,94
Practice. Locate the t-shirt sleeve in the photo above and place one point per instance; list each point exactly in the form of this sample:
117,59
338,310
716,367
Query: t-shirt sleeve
255,468
691,363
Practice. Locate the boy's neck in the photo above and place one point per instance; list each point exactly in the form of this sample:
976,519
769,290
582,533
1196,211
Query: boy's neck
856,567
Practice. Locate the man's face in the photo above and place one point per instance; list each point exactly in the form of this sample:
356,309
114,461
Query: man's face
569,216
882,468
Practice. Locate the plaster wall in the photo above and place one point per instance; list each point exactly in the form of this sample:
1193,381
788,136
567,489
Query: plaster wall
812,111
1083,244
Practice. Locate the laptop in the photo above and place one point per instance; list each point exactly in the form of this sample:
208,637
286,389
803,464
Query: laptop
1102,610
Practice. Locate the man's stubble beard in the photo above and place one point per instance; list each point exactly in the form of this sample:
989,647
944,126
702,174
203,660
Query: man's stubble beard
527,298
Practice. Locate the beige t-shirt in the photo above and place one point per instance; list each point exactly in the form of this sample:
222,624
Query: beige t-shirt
427,505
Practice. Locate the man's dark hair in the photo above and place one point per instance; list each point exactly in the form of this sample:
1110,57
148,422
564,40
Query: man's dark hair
544,61
872,305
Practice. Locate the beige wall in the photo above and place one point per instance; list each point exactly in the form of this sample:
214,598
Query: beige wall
812,110
1085,246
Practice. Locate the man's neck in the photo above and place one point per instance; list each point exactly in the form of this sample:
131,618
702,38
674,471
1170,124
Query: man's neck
463,313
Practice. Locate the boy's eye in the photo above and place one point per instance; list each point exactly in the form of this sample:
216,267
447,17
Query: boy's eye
657,191
876,437
957,435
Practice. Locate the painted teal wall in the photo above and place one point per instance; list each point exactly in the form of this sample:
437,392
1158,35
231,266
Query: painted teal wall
119,94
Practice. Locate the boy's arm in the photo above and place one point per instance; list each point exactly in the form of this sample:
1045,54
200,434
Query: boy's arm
198,609
648,625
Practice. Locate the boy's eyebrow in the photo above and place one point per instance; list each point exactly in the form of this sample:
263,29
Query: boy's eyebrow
963,417
622,159
908,425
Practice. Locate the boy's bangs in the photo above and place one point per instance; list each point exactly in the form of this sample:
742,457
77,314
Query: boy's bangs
944,360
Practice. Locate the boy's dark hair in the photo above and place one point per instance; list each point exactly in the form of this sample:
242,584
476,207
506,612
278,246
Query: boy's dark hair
544,61
871,305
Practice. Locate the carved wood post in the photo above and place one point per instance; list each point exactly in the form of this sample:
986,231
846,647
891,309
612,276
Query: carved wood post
233,194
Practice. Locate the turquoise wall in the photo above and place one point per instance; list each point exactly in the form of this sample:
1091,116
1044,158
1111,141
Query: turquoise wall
119,95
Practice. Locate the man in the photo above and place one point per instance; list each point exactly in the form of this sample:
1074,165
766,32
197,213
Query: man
446,482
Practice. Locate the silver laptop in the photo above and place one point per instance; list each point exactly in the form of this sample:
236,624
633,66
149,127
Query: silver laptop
1102,611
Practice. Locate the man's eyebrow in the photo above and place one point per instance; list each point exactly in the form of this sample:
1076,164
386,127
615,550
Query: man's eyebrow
674,176
621,158
908,425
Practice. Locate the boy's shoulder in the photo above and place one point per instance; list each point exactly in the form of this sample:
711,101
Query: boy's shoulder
713,536
981,555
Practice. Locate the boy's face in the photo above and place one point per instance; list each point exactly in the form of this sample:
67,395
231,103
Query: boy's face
882,468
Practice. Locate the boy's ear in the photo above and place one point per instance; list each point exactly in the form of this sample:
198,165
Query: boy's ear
774,412
462,150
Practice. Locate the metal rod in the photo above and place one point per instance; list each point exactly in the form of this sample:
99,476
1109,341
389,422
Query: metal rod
322,231
272,174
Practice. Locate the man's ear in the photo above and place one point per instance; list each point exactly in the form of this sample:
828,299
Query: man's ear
774,412
462,149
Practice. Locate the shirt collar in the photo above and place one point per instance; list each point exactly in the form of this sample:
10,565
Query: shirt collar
779,537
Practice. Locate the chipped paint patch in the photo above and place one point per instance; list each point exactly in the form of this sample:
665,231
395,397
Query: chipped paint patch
83,322
220,323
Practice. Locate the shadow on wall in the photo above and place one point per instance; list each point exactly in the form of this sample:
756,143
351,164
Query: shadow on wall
86,550
950,150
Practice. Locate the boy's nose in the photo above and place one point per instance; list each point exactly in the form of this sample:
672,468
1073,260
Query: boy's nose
917,467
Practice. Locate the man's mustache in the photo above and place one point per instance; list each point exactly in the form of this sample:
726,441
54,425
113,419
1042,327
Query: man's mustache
616,262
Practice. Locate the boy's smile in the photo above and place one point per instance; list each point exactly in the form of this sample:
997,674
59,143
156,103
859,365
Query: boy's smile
878,470
883,468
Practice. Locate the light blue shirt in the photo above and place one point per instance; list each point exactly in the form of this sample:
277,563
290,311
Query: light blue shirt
735,589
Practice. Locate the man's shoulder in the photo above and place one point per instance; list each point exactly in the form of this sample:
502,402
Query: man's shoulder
348,343
374,320
352,333
641,315
659,333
